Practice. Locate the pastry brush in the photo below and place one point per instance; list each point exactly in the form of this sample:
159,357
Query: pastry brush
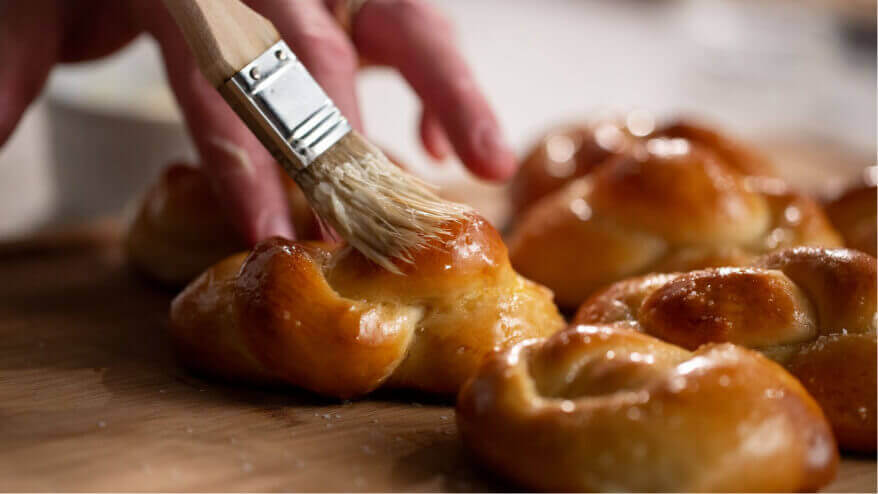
376,207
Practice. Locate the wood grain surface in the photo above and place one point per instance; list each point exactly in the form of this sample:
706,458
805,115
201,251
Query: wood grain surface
92,399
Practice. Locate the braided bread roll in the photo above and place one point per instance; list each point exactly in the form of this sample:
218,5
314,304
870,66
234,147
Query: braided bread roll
334,323
666,205
570,152
180,228
604,408
812,310
855,214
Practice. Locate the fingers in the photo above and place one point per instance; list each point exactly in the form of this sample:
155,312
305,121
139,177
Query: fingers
325,50
29,34
94,28
242,172
36,34
433,136
411,36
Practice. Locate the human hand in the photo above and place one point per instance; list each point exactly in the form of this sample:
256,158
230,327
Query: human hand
406,34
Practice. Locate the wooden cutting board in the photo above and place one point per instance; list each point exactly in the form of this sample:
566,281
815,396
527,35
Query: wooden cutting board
91,399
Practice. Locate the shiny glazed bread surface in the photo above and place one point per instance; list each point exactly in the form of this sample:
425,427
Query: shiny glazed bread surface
666,205
812,310
334,323
181,228
572,151
605,408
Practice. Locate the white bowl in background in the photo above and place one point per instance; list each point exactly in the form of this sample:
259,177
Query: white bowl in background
113,125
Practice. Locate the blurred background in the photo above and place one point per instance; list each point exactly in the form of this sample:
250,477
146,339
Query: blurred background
797,77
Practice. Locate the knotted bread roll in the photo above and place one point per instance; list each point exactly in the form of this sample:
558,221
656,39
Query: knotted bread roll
569,152
603,408
664,205
812,310
332,322
181,228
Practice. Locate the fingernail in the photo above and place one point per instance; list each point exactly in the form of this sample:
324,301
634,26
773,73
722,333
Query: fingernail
496,156
277,224
441,148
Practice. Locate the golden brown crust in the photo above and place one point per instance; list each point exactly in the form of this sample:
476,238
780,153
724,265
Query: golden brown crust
563,155
839,282
469,252
737,155
812,310
603,408
334,323
572,151
177,231
838,370
854,214
180,229
746,306
205,314
669,205
683,198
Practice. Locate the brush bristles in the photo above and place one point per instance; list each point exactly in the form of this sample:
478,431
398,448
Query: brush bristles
380,210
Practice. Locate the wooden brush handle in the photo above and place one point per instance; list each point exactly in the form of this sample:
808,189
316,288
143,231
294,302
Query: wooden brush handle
224,35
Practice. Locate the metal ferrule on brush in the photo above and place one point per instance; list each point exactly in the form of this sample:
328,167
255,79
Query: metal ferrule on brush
278,95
